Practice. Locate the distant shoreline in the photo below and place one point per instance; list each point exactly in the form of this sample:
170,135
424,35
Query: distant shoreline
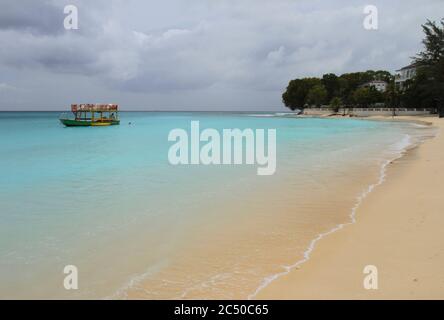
200,111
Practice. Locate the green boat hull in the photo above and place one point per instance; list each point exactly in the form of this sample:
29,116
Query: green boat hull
84,123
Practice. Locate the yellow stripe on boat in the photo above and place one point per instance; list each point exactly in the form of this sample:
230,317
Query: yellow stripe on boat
95,124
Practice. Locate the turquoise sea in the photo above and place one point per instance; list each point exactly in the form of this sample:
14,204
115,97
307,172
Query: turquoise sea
106,200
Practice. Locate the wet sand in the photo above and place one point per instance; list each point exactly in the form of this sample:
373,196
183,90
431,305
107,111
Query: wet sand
398,229
252,240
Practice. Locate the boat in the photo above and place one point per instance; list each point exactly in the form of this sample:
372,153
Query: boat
92,115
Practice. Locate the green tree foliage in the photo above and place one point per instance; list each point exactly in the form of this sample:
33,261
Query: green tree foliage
433,44
364,96
317,95
383,76
331,83
335,103
391,96
295,97
314,91
427,88
421,91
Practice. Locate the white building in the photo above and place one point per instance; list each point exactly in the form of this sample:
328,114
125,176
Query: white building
379,85
404,74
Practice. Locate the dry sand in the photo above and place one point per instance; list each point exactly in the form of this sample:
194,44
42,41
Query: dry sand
399,229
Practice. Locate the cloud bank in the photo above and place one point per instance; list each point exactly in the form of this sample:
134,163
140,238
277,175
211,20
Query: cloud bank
193,55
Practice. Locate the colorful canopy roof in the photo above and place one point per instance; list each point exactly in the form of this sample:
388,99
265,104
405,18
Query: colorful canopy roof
94,107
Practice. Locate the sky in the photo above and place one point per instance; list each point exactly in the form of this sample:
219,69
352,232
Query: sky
194,54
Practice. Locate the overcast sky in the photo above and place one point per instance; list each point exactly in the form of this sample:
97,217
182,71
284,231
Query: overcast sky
194,54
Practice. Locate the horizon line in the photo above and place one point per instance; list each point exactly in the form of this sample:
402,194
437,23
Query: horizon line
151,110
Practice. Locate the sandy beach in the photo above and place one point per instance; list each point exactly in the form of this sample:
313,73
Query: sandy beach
398,229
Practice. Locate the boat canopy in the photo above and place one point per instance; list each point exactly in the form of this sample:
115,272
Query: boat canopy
94,107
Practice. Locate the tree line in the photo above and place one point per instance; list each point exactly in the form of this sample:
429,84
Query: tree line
346,89
426,89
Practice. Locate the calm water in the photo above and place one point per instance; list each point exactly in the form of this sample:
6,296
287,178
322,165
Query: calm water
107,200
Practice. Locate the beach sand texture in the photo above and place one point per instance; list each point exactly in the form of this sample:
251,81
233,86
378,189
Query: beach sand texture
399,229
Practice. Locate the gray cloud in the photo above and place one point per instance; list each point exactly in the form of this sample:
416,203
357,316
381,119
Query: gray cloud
199,54
37,17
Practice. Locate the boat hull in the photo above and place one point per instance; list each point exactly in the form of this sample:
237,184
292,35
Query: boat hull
83,123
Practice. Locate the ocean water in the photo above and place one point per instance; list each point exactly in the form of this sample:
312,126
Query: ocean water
106,200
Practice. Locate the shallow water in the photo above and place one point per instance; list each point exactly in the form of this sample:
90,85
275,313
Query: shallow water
107,201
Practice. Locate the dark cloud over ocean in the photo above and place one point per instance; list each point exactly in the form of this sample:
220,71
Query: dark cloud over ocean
212,55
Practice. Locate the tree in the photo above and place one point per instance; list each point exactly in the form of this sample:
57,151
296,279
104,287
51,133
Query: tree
349,82
331,84
364,96
427,88
317,95
433,43
391,96
420,92
383,76
315,91
361,97
335,103
295,97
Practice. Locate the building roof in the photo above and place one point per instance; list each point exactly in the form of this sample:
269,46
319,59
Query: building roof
410,66
374,82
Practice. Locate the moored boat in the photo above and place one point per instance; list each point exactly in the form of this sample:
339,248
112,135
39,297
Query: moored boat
95,115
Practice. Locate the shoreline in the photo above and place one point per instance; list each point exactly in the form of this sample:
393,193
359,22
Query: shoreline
290,284
286,235
313,243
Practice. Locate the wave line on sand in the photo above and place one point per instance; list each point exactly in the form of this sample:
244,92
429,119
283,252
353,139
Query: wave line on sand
401,147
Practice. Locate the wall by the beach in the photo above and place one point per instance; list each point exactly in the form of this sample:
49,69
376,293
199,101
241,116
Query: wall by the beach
317,111
366,112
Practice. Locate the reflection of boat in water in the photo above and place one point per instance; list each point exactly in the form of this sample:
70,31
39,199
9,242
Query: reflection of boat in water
95,115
